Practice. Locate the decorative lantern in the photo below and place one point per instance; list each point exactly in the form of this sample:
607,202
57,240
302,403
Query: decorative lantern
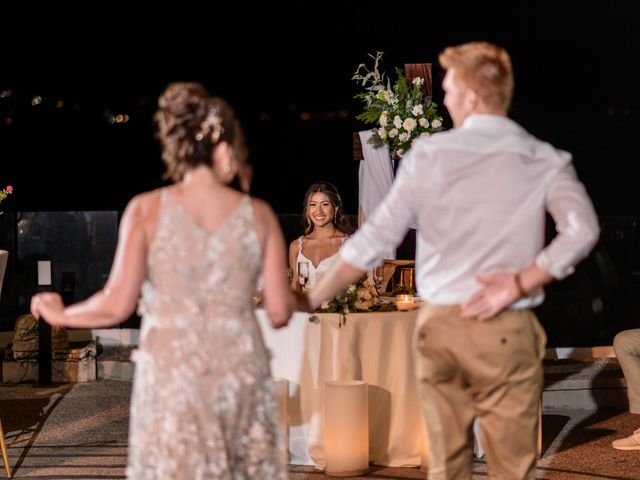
346,428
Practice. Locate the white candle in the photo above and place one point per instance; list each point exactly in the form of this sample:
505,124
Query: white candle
346,428
404,302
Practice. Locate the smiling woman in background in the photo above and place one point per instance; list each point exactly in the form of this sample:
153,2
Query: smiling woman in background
325,229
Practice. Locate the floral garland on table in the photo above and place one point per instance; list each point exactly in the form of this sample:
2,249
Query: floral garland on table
4,193
361,296
400,111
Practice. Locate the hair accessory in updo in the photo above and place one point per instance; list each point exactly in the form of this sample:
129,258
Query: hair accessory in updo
211,127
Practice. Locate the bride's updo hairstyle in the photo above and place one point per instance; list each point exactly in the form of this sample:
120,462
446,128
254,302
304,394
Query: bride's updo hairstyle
191,124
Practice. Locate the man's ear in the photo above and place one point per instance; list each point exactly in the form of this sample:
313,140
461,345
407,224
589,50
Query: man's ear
471,100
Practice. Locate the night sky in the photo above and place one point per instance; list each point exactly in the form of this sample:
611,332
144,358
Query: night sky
577,72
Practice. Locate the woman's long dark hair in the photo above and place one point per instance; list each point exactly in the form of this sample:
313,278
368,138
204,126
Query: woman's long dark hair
339,220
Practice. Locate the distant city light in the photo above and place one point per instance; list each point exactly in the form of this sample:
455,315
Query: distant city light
36,100
116,117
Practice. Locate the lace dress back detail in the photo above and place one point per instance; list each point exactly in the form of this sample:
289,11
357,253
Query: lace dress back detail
203,403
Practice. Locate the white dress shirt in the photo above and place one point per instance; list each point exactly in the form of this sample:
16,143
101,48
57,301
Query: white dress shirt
478,194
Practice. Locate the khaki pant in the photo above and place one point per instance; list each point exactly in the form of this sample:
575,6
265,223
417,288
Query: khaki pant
627,348
490,370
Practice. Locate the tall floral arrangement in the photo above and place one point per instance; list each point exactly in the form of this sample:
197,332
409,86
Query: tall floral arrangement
399,110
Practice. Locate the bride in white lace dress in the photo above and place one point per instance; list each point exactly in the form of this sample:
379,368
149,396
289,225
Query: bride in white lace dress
203,403
325,229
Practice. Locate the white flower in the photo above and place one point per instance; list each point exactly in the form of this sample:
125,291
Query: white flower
384,95
361,305
363,293
409,124
396,107
360,296
425,134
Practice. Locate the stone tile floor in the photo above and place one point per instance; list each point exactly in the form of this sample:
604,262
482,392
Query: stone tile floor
80,432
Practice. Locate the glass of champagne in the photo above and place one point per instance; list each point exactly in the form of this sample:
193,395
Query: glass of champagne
303,273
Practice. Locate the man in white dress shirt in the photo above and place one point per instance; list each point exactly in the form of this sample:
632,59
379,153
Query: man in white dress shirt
478,193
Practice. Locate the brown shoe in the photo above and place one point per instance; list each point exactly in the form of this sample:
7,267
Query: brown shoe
632,442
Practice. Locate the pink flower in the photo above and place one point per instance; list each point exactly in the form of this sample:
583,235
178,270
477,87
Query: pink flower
5,192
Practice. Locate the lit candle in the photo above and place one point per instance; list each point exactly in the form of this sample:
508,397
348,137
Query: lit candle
404,302
346,428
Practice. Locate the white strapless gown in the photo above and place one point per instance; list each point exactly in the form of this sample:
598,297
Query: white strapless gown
315,271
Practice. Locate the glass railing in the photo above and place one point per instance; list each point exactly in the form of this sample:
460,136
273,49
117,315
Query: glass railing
588,308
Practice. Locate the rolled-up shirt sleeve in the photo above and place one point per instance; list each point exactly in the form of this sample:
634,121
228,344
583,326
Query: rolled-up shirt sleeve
576,223
387,225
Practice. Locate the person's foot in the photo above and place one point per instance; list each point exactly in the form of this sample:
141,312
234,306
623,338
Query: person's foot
632,442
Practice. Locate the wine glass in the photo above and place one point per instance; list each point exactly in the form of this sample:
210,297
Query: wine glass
303,273
378,277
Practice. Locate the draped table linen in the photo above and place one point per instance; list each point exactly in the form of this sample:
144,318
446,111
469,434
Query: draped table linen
373,347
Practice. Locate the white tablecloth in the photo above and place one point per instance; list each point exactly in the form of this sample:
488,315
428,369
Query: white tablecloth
373,347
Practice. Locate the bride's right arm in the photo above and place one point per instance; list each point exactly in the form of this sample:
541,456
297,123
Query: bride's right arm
293,263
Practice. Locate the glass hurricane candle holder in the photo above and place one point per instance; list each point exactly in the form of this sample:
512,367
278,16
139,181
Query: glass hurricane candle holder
404,302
